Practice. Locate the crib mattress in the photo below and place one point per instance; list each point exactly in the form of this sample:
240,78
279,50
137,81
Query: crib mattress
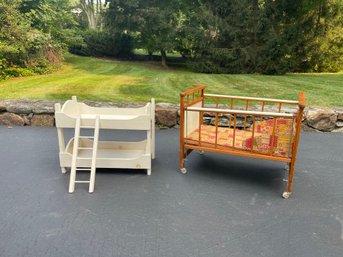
243,139
263,138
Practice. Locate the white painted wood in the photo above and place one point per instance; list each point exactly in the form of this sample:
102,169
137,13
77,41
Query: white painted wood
60,137
89,154
94,154
74,157
152,114
110,154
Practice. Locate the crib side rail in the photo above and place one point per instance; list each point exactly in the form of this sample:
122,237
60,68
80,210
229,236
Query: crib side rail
255,117
243,112
251,101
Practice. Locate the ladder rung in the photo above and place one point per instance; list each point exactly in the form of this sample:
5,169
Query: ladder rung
83,169
84,158
85,148
86,137
82,181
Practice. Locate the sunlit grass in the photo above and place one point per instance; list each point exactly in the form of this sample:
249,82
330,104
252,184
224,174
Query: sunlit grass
121,81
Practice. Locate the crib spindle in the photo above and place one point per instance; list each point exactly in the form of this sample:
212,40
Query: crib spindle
262,110
234,130
253,133
291,138
216,124
273,137
245,116
280,104
200,123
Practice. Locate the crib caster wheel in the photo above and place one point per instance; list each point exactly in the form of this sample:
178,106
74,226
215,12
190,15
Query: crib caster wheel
286,195
183,170
202,152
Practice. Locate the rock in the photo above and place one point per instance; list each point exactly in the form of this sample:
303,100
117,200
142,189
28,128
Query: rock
166,105
339,124
166,117
43,107
11,119
340,115
338,130
26,120
42,120
321,119
20,108
3,107
306,128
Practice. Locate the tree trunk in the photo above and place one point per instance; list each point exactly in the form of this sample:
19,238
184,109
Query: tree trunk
164,58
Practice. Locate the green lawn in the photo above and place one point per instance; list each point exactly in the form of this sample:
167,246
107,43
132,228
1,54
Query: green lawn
120,81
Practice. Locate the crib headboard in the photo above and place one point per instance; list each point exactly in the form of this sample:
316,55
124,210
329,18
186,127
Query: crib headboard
189,120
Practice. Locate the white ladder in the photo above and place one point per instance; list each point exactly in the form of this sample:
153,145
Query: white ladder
75,158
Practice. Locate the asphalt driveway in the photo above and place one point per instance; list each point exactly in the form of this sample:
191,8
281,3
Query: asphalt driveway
223,206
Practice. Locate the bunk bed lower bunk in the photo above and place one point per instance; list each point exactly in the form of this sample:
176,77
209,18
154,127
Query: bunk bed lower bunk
229,126
88,153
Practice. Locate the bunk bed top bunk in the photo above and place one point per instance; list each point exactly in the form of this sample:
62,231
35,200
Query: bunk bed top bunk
110,117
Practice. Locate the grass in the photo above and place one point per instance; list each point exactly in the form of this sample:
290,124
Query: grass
121,81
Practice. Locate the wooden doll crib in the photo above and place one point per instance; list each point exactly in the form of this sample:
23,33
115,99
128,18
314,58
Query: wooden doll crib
229,128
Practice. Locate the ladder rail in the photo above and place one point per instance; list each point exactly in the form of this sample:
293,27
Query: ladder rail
74,157
94,154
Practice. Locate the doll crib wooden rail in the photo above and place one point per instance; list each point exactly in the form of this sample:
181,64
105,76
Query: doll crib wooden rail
269,133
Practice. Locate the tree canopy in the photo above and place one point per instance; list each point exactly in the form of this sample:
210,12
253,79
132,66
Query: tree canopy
213,36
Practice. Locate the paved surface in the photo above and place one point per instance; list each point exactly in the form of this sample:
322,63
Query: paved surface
224,206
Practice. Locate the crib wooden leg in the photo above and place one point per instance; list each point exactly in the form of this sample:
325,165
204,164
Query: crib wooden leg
287,193
182,161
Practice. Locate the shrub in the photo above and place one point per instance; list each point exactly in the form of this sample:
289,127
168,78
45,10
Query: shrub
103,43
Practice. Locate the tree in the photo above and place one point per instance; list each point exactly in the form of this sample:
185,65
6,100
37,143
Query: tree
93,11
51,17
23,50
153,23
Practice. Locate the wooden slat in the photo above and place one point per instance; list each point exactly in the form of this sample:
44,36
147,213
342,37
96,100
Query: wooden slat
190,91
216,125
238,152
253,133
271,150
271,114
253,99
234,130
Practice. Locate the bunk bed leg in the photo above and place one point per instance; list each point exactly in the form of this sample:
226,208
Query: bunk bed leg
153,128
61,140
148,172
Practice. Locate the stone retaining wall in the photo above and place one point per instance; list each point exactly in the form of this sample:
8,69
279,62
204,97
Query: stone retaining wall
28,112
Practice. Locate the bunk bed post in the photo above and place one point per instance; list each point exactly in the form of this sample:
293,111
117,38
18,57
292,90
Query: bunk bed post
301,106
153,128
182,132
60,136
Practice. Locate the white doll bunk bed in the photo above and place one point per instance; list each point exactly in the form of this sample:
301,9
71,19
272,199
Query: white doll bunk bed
88,153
